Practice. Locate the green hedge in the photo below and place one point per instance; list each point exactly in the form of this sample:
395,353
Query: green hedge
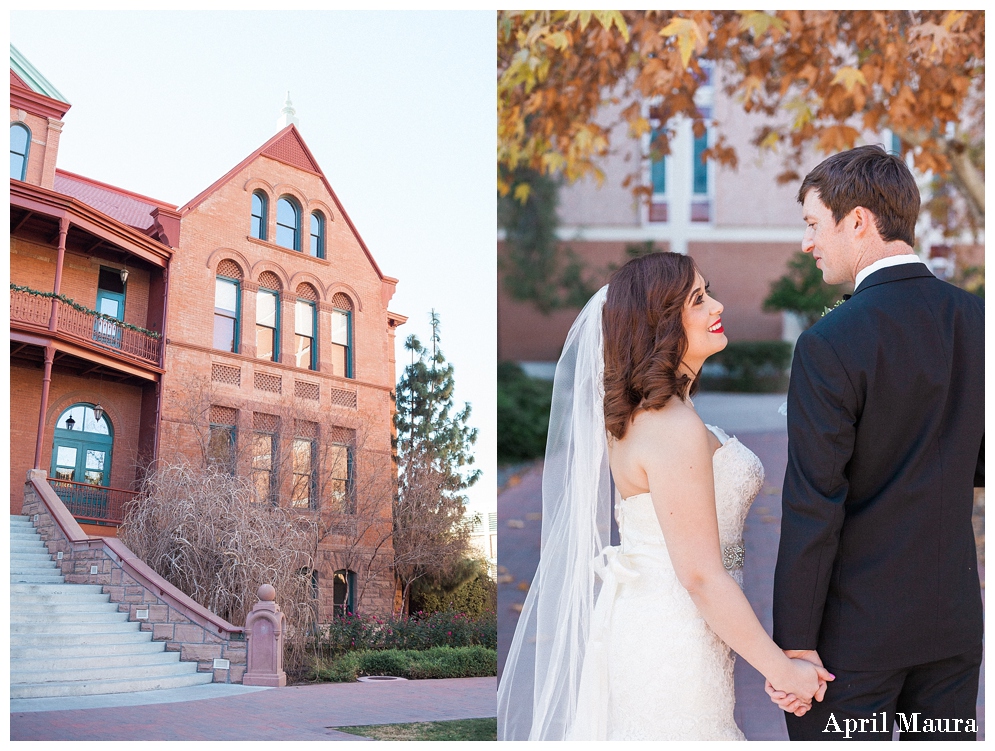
751,367
421,631
522,414
438,662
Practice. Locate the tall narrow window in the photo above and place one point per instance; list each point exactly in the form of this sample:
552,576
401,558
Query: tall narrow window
267,325
288,224
226,309
221,440
259,215
701,202
317,235
20,143
700,185
341,353
344,593
658,167
342,473
341,343
659,205
304,326
303,493
263,447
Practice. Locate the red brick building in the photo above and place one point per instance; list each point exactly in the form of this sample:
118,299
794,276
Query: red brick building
248,327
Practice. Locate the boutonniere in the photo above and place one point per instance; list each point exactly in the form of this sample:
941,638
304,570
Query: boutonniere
835,305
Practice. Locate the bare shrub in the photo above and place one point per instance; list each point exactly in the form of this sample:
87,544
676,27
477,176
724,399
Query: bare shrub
198,528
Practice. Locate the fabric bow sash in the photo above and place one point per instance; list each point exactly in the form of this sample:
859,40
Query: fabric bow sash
612,566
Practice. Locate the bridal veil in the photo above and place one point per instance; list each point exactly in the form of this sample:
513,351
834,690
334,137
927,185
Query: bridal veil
541,682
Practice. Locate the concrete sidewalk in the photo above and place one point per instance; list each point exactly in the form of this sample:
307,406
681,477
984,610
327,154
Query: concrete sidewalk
755,421
310,712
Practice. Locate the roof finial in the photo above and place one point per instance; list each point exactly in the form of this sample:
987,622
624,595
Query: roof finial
288,116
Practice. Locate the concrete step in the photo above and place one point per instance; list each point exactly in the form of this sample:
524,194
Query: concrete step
57,588
137,651
100,624
31,556
36,578
41,610
84,639
96,660
41,619
101,673
89,688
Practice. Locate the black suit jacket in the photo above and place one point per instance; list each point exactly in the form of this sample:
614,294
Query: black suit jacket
877,566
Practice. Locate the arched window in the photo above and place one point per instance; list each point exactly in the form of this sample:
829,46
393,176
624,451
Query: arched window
226,313
20,143
288,223
344,593
317,235
259,214
81,450
341,354
306,327
268,317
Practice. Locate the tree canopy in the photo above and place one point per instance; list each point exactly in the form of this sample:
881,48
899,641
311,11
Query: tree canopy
819,77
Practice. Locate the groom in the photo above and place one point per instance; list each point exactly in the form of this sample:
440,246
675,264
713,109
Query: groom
877,569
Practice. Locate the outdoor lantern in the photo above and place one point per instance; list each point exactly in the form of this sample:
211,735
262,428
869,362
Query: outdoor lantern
98,412
124,279
70,422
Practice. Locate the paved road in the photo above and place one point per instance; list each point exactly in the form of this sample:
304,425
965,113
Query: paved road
754,419
280,714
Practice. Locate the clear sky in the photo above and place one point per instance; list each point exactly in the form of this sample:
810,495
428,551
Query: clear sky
397,107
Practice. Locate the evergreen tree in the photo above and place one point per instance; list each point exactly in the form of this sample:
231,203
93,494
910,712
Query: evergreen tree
434,461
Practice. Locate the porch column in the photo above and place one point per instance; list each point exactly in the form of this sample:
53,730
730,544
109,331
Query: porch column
46,381
53,321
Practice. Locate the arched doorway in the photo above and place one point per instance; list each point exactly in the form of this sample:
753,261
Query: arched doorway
81,459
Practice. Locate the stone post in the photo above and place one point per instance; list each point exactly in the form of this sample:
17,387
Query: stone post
264,628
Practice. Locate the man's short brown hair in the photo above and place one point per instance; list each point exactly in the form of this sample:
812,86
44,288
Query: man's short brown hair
868,176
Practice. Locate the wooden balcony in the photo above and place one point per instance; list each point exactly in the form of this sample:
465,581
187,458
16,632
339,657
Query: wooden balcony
93,503
87,327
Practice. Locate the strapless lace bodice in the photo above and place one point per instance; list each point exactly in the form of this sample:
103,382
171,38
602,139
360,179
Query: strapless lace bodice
738,474
651,658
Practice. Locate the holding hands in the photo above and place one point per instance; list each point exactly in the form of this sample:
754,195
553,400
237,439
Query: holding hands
806,679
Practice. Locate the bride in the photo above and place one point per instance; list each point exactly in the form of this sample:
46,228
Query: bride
633,641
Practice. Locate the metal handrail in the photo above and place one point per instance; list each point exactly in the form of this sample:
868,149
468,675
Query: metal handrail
96,503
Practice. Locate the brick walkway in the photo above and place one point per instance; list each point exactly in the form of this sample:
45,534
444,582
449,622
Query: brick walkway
281,714
519,526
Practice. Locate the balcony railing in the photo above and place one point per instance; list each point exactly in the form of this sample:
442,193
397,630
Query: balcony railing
93,503
85,325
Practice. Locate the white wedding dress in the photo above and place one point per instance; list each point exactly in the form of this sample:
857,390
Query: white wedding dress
653,665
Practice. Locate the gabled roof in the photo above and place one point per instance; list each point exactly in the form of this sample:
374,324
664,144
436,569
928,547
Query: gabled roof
286,146
127,207
31,91
31,78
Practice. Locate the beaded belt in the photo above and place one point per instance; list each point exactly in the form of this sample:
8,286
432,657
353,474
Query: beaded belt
732,556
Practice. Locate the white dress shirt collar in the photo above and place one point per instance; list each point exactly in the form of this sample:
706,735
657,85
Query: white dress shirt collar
883,264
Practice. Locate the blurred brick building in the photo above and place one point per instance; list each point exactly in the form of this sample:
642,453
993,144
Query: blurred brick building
248,328
740,226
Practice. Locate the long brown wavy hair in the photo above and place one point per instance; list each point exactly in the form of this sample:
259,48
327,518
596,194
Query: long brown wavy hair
644,337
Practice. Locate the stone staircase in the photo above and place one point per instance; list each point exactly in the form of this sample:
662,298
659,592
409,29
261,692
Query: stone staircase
70,640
